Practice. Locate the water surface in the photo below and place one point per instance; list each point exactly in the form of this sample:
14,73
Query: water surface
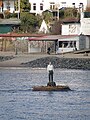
19,102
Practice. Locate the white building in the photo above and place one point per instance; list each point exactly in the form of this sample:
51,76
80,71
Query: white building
85,23
68,43
77,28
71,28
82,31
38,6
9,5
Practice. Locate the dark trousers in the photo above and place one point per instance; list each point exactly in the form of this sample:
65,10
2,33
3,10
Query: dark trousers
51,76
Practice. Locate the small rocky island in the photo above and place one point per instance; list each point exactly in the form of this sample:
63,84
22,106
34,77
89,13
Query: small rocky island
66,63
51,88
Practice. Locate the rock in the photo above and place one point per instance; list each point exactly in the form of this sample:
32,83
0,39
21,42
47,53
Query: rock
51,88
3,58
68,63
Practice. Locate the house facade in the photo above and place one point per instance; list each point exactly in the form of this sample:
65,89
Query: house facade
68,43
71,27
85,23
79,28
9,5
38,6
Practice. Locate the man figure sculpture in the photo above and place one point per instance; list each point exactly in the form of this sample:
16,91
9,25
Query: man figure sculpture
50,70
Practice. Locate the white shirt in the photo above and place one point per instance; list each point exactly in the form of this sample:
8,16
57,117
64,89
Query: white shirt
50,67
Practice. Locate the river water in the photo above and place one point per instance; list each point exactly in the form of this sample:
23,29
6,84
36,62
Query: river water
19,102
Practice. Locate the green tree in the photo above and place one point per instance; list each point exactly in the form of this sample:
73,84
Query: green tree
29,22
47,16
25,5
68,13
61,13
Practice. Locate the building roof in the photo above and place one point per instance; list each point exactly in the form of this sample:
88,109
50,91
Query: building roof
39,37
21,35
51,37
71,20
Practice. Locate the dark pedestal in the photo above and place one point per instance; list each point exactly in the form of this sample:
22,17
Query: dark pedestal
51,84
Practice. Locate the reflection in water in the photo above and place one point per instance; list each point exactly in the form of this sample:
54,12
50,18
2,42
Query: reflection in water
19,102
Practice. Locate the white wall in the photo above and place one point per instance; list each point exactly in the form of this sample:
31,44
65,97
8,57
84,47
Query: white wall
63,50
85,26
87,43
11,5
62,3
71,29
88,3
33,49
38,11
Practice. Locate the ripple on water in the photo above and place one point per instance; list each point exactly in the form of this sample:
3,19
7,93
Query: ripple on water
19,102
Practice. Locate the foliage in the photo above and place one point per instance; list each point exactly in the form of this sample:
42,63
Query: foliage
7,14
47,16
29,22
24,5
61,13
39,19
68,13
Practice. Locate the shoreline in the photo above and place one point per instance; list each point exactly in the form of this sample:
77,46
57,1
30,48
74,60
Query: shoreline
40,61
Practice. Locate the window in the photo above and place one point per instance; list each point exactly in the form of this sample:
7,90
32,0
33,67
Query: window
73,3
52,6
80,5
67,44
41,6
8,5
63,4
34,6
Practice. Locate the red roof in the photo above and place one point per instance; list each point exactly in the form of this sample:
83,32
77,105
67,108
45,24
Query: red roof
71,20
21,35
38,37
51,37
